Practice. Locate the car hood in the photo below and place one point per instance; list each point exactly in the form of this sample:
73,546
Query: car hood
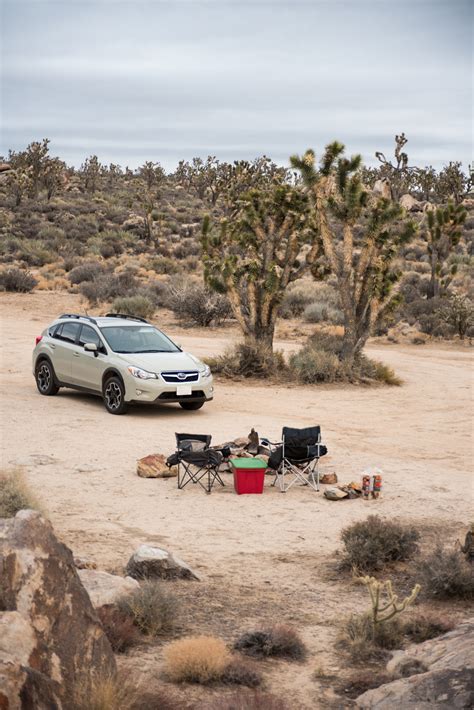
159,362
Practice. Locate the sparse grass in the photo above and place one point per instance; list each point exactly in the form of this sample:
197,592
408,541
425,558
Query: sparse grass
446,574
119,628
196,659
152,608
15,494
422,626
278,641
245,700
373,543
106,692
140,306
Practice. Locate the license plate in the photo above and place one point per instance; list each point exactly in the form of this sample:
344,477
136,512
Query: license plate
184,389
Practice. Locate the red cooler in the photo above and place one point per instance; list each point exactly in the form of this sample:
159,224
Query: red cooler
249,475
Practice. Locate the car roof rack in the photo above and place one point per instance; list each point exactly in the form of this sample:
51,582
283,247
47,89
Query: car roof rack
77,315
126,316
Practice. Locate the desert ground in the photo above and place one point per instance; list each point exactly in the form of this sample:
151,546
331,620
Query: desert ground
261,558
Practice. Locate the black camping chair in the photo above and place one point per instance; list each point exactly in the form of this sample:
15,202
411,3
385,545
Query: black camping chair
297,456
196,461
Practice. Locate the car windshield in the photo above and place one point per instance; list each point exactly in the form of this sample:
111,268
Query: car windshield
137,339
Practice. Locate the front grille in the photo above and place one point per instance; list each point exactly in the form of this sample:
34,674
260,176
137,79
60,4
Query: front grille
175,378
173,397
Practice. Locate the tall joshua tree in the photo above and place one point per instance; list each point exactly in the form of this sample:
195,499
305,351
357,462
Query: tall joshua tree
360,237
444,227
253,256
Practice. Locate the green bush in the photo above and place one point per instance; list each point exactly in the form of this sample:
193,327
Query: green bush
17,280
373,543
134,306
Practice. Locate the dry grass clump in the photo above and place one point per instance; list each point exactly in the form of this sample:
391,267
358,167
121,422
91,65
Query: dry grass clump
15,494
372,543
106,692
278,641
197,659
119,628
244,700
152,609
240,672
446,574
248,359
423,626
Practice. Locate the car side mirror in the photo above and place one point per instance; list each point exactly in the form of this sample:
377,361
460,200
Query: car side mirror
91,348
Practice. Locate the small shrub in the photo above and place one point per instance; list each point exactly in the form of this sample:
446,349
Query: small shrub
384,373
88,271
140,306
17,280
15,494
248,359
239,672
322,313
424,626
164,265
109,286
445,574
311,366
361,681
152,609
245,700
372,543
363,642
281,641
106,692
119,628
196,659
196,305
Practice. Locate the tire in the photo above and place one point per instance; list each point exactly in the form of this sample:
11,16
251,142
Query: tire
192,406
114,396
46,379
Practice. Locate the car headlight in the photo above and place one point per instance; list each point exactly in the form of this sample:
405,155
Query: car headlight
206,371
141,374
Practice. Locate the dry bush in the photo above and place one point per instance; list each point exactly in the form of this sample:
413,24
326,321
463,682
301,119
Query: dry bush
240,672
110,286
363,642
322,313
248,359
109,692
245,700
17,280
119,628
152,609
312,366
279,641
196,659
140,306
164,265
421,626
194,304
88,271
372,543
446,574
384,373
15,494
361,681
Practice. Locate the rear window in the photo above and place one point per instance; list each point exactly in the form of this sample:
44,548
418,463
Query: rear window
68,332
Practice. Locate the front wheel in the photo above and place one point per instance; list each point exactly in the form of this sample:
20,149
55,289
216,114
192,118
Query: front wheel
44,376
114,396
191,405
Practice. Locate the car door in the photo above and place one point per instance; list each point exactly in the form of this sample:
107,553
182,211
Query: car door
88,367
63,346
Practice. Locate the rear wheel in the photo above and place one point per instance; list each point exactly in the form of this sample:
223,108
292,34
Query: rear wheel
45,380
191,405
114,396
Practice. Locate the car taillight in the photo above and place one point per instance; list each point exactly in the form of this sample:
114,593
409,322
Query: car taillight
38,339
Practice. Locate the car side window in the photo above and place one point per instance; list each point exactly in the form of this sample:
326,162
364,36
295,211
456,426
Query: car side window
89,335
68,332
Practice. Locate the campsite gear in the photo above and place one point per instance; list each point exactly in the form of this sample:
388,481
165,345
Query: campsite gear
328,478
297,455
196,461
335,494
376,486
366,485
254,442
249,475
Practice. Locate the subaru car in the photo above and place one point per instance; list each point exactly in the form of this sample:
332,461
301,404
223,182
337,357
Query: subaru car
122,358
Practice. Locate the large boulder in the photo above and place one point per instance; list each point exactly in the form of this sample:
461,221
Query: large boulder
382,188
104,588
435,674
156,563
51,641
154,466
410,204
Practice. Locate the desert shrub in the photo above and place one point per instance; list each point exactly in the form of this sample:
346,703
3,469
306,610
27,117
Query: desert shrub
187,247
240,672
302,294
152,609
361,681
372,543
384,373
70,261
164,265
106,692
89,271
17,280
15,494
158,292
196,659
322,313
34,253
196,305
134,306
119,628
279,640
248,359
421,626
427,313
311,365
364,642
109,286
245,700
446,574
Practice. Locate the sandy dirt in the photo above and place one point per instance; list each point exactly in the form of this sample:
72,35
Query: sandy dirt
261,557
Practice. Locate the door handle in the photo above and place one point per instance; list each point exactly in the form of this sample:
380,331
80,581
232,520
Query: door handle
52,346
76,355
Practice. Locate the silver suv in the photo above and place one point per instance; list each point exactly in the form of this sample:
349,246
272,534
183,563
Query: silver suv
122,358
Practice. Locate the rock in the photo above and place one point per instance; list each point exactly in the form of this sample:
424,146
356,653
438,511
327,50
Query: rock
335,494
241,442
328,478
50,637
4,167
84,563
154,466
410,204
441,675
382,188
153,562
104,588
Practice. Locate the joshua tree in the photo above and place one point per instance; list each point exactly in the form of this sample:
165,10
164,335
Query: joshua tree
148,196
32,161
53,176
452,184
256,254
360,237
204,178
459,312
152,174
91,170
443,232
399,174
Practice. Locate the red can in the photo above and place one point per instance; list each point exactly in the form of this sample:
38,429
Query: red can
377,486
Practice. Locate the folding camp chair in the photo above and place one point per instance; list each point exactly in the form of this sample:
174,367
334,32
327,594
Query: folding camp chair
196,461
297,457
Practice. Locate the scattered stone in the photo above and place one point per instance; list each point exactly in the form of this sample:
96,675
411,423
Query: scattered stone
328,478
50,637
156,563
154,466
104,588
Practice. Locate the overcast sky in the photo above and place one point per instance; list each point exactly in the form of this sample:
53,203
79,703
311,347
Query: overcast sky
164,80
